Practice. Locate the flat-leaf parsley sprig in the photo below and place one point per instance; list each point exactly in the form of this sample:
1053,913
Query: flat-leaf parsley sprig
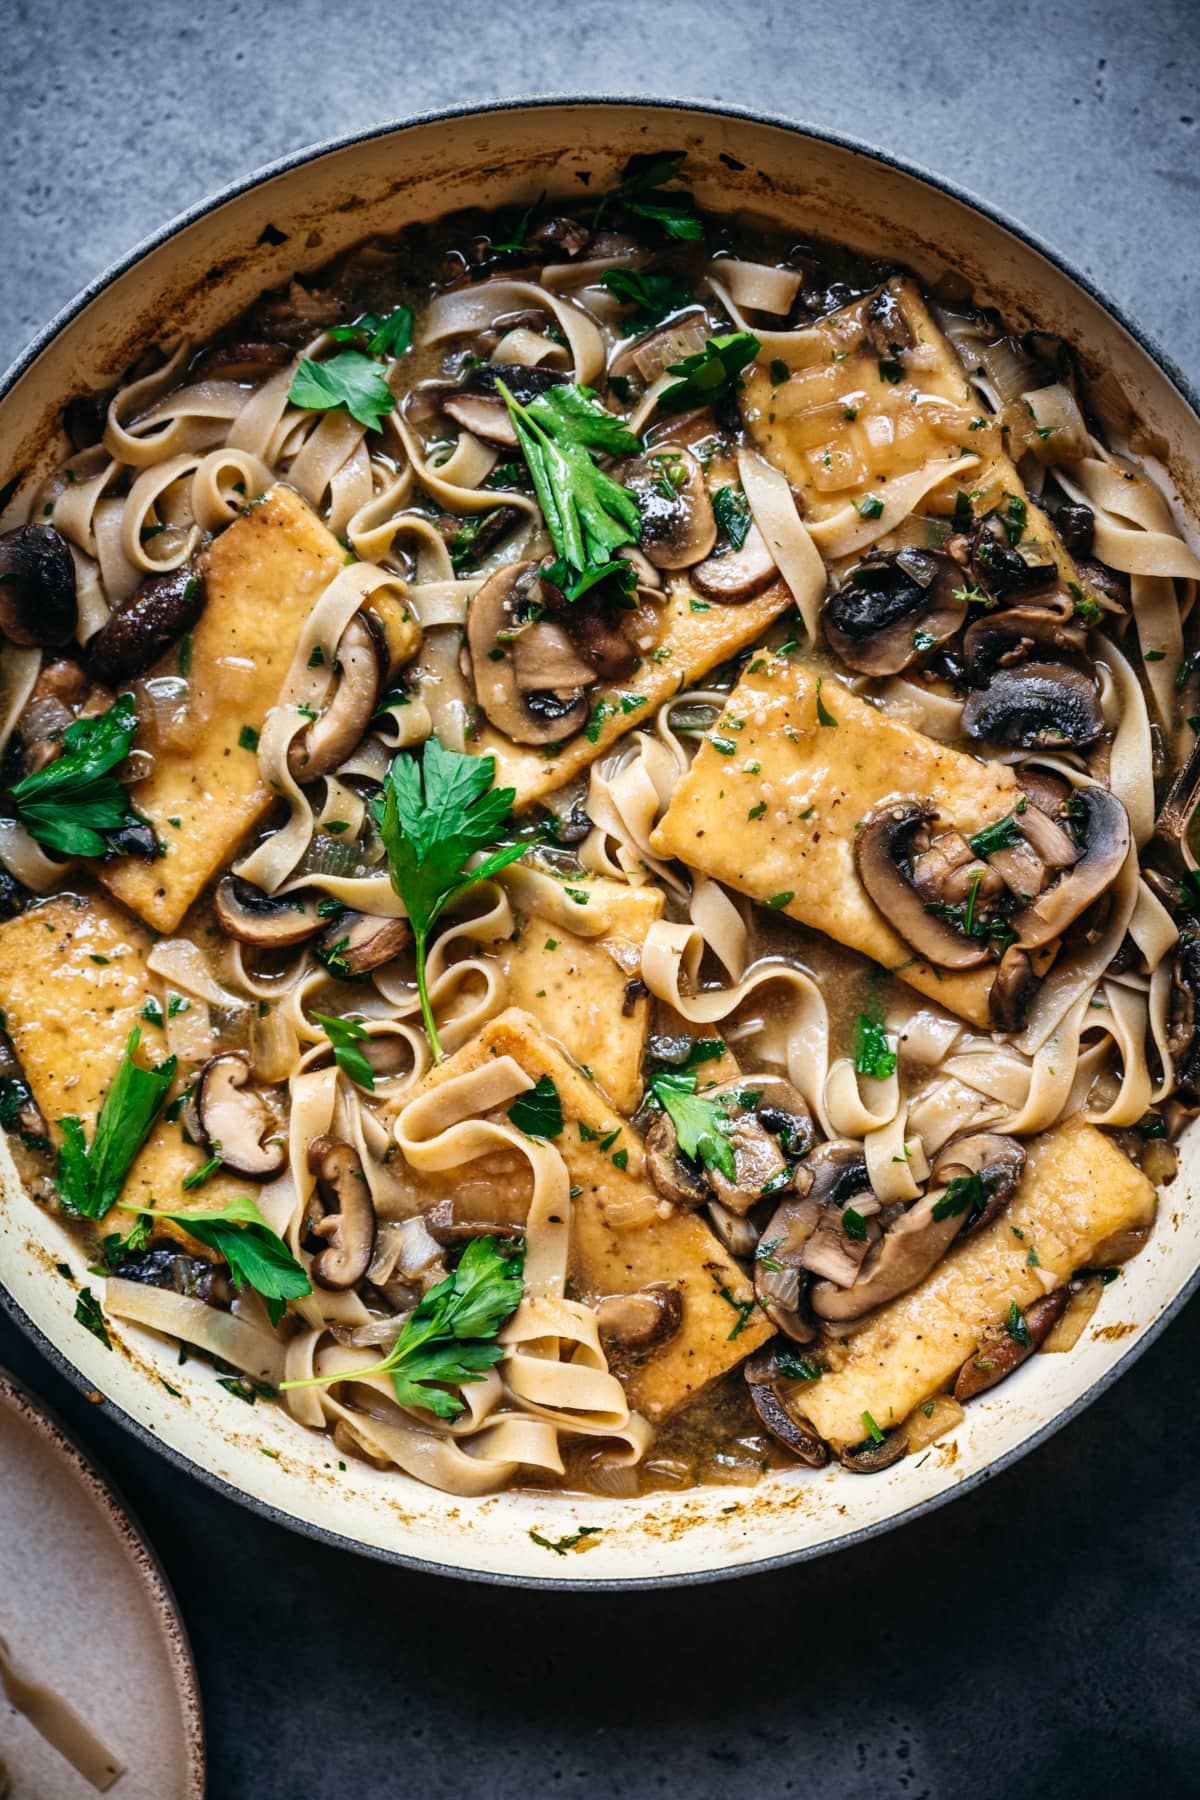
256,1255
450,1339
75,800
434,814
90,1177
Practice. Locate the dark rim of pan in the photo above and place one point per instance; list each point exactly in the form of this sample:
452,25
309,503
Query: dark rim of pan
795,128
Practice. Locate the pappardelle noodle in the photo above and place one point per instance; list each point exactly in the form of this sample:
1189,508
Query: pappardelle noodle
595,853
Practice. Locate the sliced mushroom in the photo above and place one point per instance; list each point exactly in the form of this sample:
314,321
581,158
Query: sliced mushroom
156,614
644,1320
886,326
354,943
781,1282
234,1119
999,1356
1001,639
892,608
349,1216
883,853
1183,1039
919,1237
737,575
37,586
873,1454
761,1150
1174,824
767,1385
1012,990
240,362
485,415
595,631
268,921
1003,567
1104,829
342,723
678,527
539,695
1035,706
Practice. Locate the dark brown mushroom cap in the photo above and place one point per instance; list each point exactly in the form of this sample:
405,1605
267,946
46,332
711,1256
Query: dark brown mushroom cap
1005,568
886,326
243,361
999,1356
999,1162
1045,628
737,575
767,1387
643,1320
342,722
882,856
37,586
268,921
1103,825
678,526
234,1119
1012,990
1035,706
348,1222
892,608
524,384
354,943
156,614
873,1455
529,679
675,1176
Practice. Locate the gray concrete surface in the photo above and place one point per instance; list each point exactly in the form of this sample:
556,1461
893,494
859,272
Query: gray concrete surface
1036,1638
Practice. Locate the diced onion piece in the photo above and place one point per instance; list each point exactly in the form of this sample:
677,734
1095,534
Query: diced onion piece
635,1214
925,1424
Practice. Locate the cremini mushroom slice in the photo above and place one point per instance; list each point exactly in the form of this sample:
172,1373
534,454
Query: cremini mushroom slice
1043,629
343,721
676,1177
348,1223
678,526
354,943
768,1385
1103,826
1002,567
643,1320
1035,706
999,1355
141,628
242,361
484,415
37,586
1012,990
883,852
235,1119
535,692
972,1179
737,575
894,607
267,921
873,1454
768,1127
781,1281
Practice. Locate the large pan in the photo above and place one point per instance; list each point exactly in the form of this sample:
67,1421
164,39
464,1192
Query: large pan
192,277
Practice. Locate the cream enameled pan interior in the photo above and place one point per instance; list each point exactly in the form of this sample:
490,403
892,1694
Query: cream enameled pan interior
193,281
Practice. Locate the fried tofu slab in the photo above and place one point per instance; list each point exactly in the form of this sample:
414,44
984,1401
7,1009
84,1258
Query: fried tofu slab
604,1156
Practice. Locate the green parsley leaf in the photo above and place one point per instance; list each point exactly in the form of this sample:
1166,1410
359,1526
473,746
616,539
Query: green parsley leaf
1000,836
561,1545
450,1339
347,1036
870,507
1016,1327
90,1178
1014,518
388,336
965,1191
434,814
638,192
248,738
700,1125
778,901
654,296
731,510
348,380
70,803
824,716
707,374
538,1113
854,1225
794,1367
257,1257
87,1311
872,1429
871,1053
587,513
